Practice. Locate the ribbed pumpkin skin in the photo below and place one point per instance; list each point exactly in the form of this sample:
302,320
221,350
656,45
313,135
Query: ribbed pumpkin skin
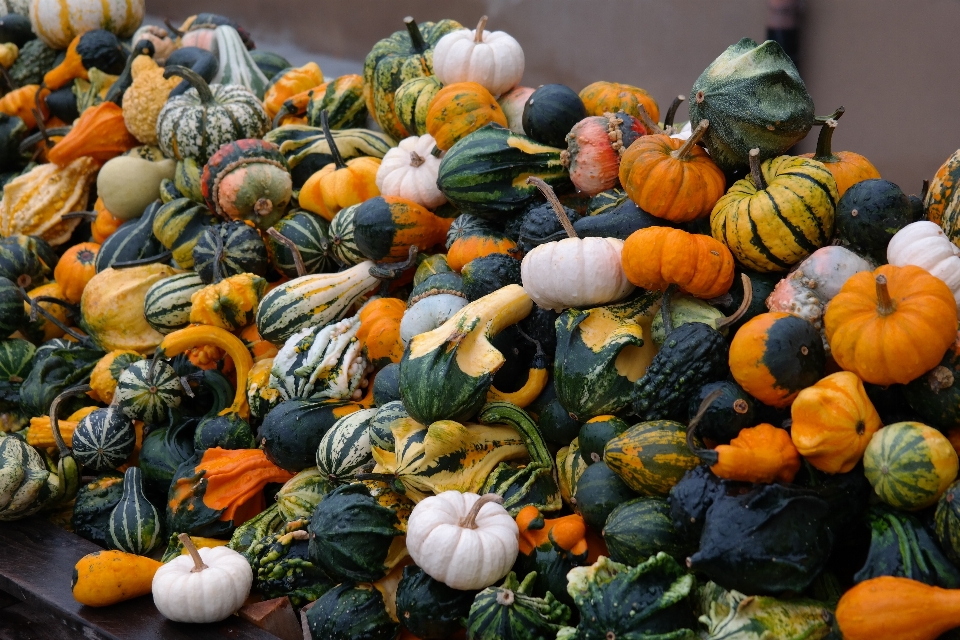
910,465
777,228
641,528
596,433
477,244
75,268
178,225
342,99
347,612
243,251
103,440
310,233
167,303
135,525
346,446
343,236
651,457
602,97
248,180
146,398
947,522
428,608
943,199
16,358
460,109
412,102
386,227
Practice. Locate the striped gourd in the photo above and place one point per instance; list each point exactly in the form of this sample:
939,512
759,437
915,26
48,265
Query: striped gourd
346,446
380,433
12,314
103,439
134,523
167,303
342,99
22,478
343,243
570,466
310,233
243,251
16,358
178,225
651,457
774,228
147,388
321,362
132,241
307,151
301,494
236,66
943,198
311,301
641,528
412,101
464,225
187,178
909,464
947,522
19,257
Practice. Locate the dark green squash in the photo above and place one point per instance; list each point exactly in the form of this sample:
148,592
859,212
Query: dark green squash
947,522
691,498
269,63
163,450
386,385
178,226
94,504
550,113
349,612
512,612
134,240
641,528
439,283
606,201
229,431
243,251
34,61
728,413
57,365
282,567
379,425
868,214
310,233
135,525
484,275
729,303
429,609
12,133
557,425
15,28
12,311
267,523
618,222
20,256
16,362
466,224
935,395
63,104
103,440
596,433
342,99
537,223
600,491
291,432
202,62
541,326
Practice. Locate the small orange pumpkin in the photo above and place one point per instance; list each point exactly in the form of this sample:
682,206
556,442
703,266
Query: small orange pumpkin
21,103
379,331
75,269
100,133
847,167
656,257
891,325
672,179
459,109
601,97
259,348
290,83
104,224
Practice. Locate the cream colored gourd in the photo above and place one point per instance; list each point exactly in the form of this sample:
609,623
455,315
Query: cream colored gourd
464,540
410,171
492,59
925,245
208,585
573,272
58,22
429,313
128,184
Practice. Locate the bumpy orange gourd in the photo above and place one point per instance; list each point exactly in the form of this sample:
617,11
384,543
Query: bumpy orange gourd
379,331
672,179
847,167
259,348
601,97
890,607
100,134
891,325
75,269
569,532
460,109
21,103
656,257
229,304
762,453
290,83
476,245
833,422
40,434
103,578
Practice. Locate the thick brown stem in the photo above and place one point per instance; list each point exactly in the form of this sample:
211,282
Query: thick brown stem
193,79
416,159
708,456
478,38
54,419
684,151
885,304
672,111
755,171
294,249
174,30
84,215
198,565
648,123
551,197
824,151
744,304
469,521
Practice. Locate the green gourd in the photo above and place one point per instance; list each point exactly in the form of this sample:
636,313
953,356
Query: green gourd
349,612
282,567
147,389
135,525
94,504
103,439
511,612
429,609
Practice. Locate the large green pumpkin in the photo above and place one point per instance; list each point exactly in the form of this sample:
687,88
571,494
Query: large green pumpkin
641,528
349,612
753,97
651,457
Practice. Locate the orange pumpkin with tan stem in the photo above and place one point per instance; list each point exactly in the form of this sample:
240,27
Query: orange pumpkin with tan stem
891,325
897,608
601,97
833,422
847,167
656,257
459,109
75,269
672,179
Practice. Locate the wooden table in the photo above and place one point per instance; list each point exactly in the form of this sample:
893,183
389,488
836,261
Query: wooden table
36,564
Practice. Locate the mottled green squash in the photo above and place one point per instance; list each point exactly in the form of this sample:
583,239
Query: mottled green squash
733,615
349,612
641,528
429,609
511,612
282,567
598,492
94,504
947,522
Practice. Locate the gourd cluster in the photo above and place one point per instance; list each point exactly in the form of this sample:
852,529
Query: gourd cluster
433,354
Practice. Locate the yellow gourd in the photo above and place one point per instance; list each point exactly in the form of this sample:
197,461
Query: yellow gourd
108,577
145,97
229,304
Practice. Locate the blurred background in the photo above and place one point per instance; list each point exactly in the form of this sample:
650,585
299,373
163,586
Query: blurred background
894,64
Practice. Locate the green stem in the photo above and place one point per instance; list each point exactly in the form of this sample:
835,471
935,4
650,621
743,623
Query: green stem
334,151
193,79
55,420
419,44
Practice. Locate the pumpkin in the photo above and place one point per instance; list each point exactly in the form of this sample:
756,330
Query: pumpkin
147,389
412,101
342,99
890,606
106,373
477,244
511,611
247,180
75,269
775,356
387,227
380,330
847,167
610,97
289,83
924,244
777,216
595,146
492,59
56,23
910,465
103,578
906,302
410,171
550,112
941,200
459,109
656,257
100,134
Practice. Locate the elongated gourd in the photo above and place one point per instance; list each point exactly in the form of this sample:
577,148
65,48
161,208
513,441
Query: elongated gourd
108,577
889,607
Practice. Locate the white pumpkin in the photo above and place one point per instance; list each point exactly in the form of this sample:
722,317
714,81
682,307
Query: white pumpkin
429,313
410,171
463,540
512,104
492,59
925,245
207,585
57,22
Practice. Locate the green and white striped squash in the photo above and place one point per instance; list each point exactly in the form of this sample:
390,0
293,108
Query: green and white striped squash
26,484
321,362
16,358
243,251
19,257
412,101
342,100
381,436
146,389
236,65
513,611
346,446
651,457
310,233
307,151
134,523
302,493
178,225
134,240
910,465
167,303
641,528
312,301
103,439
343,242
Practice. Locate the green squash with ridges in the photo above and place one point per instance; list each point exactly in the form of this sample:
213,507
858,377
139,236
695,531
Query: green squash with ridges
188,178
34,61
103,439
301,494
94,504
725,416
266,523
484,275
429,609
346,446
178,226
343,241
243,251
570,466
342,100
135,525
282,567
869,214
651,457
306,149
167,303
19,256
147,389
270,64
511,612
310,233
641,528
412,101
947,522
349,612
598,492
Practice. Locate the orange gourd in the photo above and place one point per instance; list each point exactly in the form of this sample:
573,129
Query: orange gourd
259,348
379,331
476,245
75,269
103,578
106,374
22,102
891,325
290,83
40,434
100,133
602,97
833,422
847,167
460,109
43,329
672,179
656,257
104,224
568,533
897,609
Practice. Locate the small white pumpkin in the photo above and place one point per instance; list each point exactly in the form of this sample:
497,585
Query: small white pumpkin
925,245
410,171
429,313
463,540
208,585
573,272
493,60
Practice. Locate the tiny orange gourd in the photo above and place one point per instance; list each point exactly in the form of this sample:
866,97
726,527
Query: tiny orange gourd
459,109
75,269
104,224
380,330
656,257
476,245
893,607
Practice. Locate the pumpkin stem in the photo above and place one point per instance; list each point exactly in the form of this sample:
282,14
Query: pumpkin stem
334,151
419,44
672,111
824,141
478,38
708,456
505,597
648,123
469,521
193,79
85,215
294,250
392,271
55,421
755,171
551,197
684,151
416,159
820,120
924,190
885,305
192,550
36,308
665,313
160,257
744,304
173,29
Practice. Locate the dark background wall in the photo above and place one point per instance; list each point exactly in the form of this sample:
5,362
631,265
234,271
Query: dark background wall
894,64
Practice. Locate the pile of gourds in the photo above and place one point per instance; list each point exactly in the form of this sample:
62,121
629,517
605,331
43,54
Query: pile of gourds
433,354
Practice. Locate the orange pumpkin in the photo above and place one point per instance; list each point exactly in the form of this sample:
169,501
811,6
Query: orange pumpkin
75,268
100,133
290,83
891,325
672,179
762,453
847,167
22,102
476,245
379,331
104,224
833,422
897,608
602,97
459,109
656,257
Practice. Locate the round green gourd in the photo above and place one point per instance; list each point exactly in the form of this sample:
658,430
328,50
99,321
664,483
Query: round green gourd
947,522
484,275
301,494
282,567
447,282
429,266
243,251
380,434
310,233
146,389
596,433
167,303
599,491
641,528
135,525
103,439
93,506
229,431
557,425
342,239
726,414
16,358
429,609
651,457
346,446
412,102
550,113
935,395
291,432
349,612
868,214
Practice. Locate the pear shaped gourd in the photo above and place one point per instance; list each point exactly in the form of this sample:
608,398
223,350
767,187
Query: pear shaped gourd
134,523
